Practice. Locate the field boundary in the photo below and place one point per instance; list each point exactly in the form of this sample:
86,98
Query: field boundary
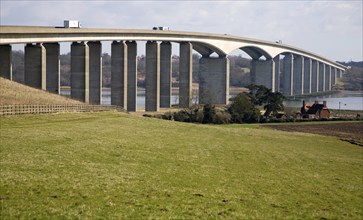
20,109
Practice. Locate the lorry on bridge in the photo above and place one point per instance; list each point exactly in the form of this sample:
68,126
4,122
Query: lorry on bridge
161,28
72,24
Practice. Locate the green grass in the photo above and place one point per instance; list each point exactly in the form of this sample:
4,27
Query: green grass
114,165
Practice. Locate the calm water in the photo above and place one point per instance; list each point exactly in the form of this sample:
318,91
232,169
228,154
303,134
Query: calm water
348,100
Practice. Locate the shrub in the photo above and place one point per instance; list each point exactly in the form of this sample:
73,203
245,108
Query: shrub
167,116
209,113
242,110
222,117
182,116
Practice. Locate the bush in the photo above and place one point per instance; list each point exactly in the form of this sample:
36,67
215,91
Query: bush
167,116
181,116
222,117
209,113
242,110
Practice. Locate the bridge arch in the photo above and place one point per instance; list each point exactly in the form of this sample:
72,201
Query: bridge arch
255,52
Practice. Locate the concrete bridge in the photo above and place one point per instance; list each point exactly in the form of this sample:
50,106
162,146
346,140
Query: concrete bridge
302,72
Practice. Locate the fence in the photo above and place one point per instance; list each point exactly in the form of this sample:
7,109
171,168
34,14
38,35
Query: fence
46,109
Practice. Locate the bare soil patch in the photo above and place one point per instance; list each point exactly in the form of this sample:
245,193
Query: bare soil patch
351,132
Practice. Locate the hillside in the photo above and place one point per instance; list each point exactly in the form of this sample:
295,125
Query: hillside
15,93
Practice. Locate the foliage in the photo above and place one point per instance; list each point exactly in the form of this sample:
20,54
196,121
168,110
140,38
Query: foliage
353,79
222,117
209,113
242,109
206,114
272,102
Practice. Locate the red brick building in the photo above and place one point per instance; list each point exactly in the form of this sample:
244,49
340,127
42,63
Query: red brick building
315,110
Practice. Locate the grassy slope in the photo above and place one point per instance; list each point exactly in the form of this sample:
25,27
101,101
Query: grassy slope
114,165
16,93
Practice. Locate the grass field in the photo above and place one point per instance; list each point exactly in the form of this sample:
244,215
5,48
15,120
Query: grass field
119,166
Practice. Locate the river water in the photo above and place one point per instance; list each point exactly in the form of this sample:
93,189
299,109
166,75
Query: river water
346,100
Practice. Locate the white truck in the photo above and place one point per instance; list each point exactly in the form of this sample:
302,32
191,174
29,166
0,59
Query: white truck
72,24
161,28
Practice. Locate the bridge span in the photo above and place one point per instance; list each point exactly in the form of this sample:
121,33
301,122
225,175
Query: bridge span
302,72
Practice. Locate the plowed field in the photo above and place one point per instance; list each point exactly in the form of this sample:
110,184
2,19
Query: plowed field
352,132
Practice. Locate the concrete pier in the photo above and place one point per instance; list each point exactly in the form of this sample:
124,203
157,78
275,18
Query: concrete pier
53,70
185,75
333,76
307,76
288,75
165,74
327,78
80,71
6,62
131,66
152,77
315,76
321,84
35,66
276,60
95,72
340,74
214,80
119,74
298,75
263,73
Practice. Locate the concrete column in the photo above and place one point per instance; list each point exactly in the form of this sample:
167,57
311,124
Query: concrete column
35,66
276,60
340,73
321,84
95,72
131,76
6,62
165,74
214,80
52,67
288,75
185,74
314,76
307,75
298,86
152,77
263,73
80,71
327,78
333,76
119,74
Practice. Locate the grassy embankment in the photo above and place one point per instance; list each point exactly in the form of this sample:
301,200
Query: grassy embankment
116,165
15,93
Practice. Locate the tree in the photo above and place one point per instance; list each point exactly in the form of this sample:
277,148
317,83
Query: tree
243,110
262,96
209,113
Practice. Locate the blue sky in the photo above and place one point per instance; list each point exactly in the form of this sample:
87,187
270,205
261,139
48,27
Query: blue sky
332,29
